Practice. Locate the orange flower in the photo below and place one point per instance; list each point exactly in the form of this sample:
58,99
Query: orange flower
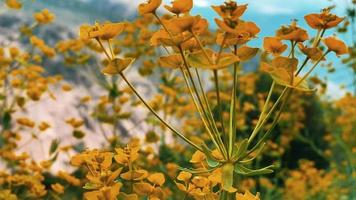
230,10
323,20
44,17
292,32
314,53
149,7
180,6
104,31
274,45
336,45
13,4
194,24
240,31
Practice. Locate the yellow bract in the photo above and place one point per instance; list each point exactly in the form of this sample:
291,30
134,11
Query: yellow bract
180,6
282,71
172,61
104,31
292,32
157,179
314,53
247,196
336,45
149,7
194,24
323,20
274,46
212,60
230,10
245,53
117,65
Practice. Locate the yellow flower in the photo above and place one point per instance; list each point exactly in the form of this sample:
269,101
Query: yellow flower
336,45
157,179
247,196
274,45
117,65
57,188
212,60
198,157
25,122
292,32
323,20
13,4
44,17
149,7
314,53
43,126
172,61
184,176
194,24
180,6
230,10
104,31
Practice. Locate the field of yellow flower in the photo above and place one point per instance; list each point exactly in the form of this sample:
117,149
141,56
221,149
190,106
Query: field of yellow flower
224,118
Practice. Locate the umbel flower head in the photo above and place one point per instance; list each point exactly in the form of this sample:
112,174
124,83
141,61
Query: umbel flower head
292,32
323,20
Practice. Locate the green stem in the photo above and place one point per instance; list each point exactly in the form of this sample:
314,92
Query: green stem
258,128
158,117
211,122
232,130
274,123
217,89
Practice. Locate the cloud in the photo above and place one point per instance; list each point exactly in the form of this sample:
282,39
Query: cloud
201,3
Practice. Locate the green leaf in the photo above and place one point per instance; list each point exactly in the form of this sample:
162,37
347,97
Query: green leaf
6,120
240,169
78,134
211,162
258,152
54,146
241,150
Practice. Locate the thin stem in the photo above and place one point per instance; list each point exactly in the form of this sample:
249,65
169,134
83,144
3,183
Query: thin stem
232,130
274,123
217,90
265,106
202,47
102,46
258,128
212,124
311,69
209,109
158,117
207,126
111,49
